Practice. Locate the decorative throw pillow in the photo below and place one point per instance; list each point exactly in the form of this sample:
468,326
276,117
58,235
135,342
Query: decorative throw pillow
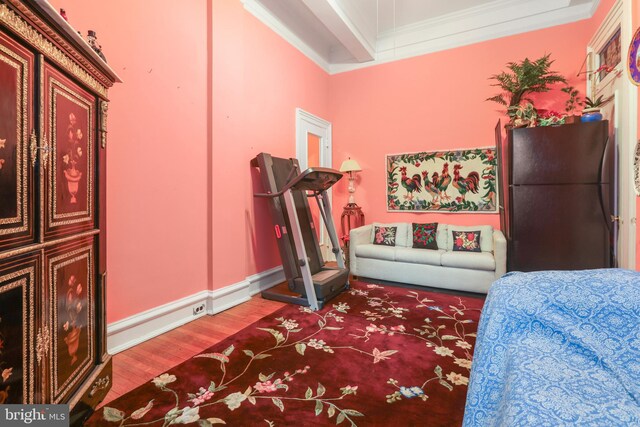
384,236
466,241
424,235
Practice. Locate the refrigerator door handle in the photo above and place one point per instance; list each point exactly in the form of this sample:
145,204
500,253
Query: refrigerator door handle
606,213
605,204
610,205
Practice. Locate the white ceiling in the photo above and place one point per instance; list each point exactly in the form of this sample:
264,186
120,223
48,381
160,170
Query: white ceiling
342,35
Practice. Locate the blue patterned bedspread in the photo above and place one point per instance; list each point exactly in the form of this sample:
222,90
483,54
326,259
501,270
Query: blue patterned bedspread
558,348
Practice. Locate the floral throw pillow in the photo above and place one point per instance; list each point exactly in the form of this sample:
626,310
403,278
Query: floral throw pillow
466,241
424,235
384,236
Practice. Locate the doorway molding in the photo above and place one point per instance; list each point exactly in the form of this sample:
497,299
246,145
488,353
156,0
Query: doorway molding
307,123
625,116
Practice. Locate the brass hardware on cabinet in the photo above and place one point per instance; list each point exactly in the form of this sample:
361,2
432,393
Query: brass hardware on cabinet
2,144
43,341
99,385
34,147
44,157
104,107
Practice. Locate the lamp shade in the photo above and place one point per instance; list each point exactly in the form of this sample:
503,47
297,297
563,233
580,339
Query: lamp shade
350,165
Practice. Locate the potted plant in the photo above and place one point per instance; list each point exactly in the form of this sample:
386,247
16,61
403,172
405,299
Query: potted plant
591,112
552,118
572,104
523,78
524,115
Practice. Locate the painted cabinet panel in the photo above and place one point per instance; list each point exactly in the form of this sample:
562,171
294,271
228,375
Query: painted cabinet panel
71,295
69,123
16,111
17,330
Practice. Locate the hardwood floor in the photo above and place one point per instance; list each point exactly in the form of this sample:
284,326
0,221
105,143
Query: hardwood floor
140,364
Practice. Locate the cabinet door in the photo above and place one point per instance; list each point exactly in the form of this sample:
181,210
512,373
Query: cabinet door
16,112
70,275
69,123
18,280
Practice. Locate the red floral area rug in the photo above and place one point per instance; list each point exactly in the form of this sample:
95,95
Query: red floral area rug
374,356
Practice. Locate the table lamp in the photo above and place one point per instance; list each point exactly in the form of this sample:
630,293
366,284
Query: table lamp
351,167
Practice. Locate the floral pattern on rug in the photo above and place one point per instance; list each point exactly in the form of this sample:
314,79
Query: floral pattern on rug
373,356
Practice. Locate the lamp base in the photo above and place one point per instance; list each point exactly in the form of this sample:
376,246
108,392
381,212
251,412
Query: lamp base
352,188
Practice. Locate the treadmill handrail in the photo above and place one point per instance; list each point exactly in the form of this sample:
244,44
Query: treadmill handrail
299,178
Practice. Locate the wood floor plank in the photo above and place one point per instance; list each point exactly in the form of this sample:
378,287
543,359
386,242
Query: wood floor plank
140,364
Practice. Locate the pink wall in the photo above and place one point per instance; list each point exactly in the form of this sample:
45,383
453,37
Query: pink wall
259,80
436,101
157,169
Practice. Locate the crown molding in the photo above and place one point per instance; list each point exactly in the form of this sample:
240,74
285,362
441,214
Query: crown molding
264,16
482,24
501,18
340,24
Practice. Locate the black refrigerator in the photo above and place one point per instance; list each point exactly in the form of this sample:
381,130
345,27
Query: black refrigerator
558,196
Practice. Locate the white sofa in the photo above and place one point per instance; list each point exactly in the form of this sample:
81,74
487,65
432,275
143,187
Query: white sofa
441,268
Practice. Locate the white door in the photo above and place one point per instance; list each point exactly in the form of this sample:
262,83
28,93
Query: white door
313,148
608,47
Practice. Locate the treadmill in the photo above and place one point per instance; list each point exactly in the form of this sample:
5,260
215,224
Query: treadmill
311,282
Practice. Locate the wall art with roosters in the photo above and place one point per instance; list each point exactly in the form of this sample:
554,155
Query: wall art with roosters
443,181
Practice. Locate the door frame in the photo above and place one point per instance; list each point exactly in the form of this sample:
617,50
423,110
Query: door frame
309,123
625,111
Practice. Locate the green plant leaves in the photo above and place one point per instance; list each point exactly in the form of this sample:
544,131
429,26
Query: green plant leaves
524,77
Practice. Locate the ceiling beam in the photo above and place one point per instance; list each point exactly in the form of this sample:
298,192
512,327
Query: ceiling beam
340,24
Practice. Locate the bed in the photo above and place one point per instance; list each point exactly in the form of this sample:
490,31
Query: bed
558,348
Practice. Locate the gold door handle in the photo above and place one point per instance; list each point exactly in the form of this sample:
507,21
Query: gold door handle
44,157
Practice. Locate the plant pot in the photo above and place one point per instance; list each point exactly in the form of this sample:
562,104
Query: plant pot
73,177
591,115
574,118
73,340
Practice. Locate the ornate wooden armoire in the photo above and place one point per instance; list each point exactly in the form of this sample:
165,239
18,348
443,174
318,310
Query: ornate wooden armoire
53,138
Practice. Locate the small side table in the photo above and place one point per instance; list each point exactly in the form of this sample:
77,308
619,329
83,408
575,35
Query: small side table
352,217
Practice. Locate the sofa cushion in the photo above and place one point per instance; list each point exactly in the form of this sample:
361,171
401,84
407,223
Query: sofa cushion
466,241
403,230
370,250
470,260
442,236
486,236
415,256
384,235
424,235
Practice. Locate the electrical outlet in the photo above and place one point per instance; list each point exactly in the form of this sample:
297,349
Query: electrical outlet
198,309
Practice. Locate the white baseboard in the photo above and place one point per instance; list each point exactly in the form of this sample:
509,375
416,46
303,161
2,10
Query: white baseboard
140,327
265,280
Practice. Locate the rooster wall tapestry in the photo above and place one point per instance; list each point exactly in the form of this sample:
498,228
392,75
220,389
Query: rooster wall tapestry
449,181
